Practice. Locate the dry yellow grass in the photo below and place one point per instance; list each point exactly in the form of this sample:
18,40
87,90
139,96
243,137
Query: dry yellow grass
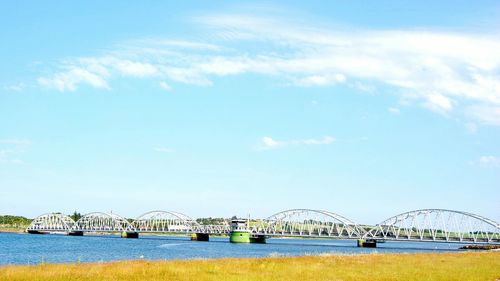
455,266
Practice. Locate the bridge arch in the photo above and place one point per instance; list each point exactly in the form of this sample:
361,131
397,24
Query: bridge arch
52,222
103,222
308,222
437,225
165,221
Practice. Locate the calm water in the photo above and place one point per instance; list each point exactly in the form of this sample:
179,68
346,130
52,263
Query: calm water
28,249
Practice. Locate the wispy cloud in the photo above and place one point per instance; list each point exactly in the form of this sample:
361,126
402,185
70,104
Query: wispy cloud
394,110
19,87
489,161
70,79
15,141
446,72
485,114
12,149
471,127
270,143
321,80
165,86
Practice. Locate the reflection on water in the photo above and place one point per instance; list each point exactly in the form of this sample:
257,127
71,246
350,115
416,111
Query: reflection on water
29,249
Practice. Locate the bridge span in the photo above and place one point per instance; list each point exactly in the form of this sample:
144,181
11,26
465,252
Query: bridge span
426,225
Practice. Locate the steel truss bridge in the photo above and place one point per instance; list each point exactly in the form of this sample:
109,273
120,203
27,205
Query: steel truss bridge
426,225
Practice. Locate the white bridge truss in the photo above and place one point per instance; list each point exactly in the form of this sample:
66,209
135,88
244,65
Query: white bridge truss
103,222
165,222
308,223
428,225
437,225
52,222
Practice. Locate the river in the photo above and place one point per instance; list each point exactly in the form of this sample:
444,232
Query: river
29,249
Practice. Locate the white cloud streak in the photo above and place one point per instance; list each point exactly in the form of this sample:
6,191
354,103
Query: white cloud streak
489,161
485,114
442,71
394,110
69,80
12,149
165,86
19,87
268,143
15,141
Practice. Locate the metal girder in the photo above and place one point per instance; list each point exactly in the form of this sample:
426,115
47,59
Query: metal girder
52,222
308,223
437,225
165,222
103,222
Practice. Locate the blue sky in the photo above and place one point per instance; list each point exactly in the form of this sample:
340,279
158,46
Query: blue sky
219,108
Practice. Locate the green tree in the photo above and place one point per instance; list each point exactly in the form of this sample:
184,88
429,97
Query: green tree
76,216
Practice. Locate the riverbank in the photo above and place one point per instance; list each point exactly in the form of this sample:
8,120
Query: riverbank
481,247
439,266
12,230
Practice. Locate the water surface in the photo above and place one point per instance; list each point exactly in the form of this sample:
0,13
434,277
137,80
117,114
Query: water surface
29,249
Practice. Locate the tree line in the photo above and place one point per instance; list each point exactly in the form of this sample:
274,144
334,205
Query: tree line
14,221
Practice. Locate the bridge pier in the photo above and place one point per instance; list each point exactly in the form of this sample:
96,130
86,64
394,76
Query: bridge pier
35,232
75,233
130,234
370,243
260,239
200,237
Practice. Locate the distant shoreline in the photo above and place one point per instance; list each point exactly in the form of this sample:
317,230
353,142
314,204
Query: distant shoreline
13,230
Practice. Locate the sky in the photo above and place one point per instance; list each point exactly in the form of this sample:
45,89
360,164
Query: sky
214,108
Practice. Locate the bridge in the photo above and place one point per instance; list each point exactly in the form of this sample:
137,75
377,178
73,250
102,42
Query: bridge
426,225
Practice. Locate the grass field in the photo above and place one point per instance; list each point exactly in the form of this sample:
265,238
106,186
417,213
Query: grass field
440,266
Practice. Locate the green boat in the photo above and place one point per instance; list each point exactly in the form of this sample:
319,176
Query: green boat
241,234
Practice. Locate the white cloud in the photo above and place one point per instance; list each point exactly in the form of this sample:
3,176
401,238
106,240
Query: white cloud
447,72
135,69
364,87
394,110
438,103
321,80
489,115
324,140
165,86
69,80
270,143
164,149
489,161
